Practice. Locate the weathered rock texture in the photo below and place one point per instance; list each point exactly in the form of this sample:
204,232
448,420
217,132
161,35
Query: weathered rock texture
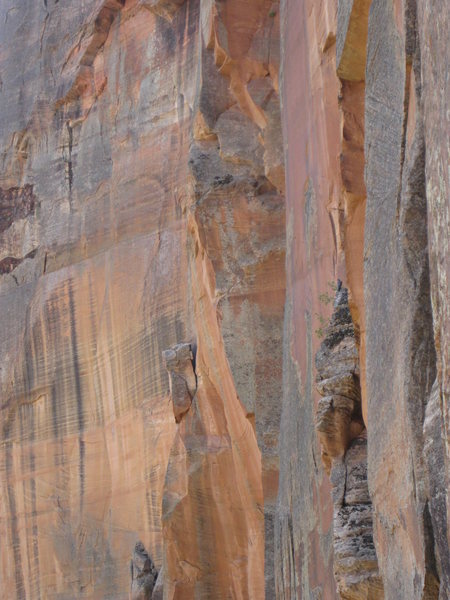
343,438
143,574
309,92
179,362
399,318
370,157
141,207
145,208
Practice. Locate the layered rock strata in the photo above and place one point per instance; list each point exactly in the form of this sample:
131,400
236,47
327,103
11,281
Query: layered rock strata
343,439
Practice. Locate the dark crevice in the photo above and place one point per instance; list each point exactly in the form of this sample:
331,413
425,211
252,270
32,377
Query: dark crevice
78,392
69,160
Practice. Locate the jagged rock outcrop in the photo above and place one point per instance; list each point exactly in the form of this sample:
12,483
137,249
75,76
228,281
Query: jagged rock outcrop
338,416
355,560
179,362
143,574
343,439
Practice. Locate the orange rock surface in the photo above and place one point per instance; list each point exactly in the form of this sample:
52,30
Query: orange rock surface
134,220
224,297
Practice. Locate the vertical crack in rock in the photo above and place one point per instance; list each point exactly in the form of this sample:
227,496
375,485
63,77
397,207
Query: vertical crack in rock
169,131
179,362
69,164
143,574
338,417
437,524
351,41
237,176
344,453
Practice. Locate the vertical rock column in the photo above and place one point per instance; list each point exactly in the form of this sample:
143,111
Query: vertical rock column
309,91
237,215
351,41
343,439
433,23
408,456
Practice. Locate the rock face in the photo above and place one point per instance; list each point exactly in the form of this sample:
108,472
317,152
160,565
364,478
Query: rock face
368,159
343,438
135,216
143,574
403,343
179,362
182,183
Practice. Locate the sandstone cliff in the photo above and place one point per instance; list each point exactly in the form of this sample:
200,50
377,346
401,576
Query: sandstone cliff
224,283
367,202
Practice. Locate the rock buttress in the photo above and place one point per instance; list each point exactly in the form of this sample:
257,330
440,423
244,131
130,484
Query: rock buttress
309,90
343,439
403,315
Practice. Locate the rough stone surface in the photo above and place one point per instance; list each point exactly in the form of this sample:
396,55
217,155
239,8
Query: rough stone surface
338,415
432,23
143,574
172,367
309,91
401,351
179,362
133,221
343,439
386,201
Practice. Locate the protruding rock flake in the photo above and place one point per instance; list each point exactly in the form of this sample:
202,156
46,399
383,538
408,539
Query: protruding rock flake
179,362
338,414
143,574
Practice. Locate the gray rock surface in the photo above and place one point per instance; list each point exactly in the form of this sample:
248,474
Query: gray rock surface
343,439
143,574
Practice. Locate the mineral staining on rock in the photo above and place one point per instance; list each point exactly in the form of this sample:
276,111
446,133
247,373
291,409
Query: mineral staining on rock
144,204
108,257
379,84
